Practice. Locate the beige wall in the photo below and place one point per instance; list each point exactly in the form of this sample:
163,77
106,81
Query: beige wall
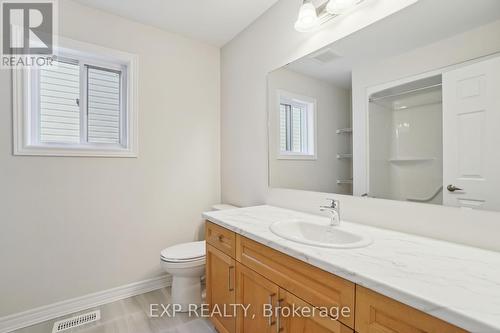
332,113
73,226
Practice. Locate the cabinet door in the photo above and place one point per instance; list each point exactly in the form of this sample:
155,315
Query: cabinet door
376,313
220,279
256,292
307,320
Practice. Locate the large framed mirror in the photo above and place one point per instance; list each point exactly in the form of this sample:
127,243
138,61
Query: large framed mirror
401,110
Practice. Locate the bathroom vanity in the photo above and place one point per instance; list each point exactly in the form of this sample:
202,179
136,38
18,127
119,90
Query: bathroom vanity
400,283
406,116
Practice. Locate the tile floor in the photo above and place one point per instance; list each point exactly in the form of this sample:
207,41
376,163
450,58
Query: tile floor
131,315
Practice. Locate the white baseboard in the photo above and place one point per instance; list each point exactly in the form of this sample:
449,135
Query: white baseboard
37,315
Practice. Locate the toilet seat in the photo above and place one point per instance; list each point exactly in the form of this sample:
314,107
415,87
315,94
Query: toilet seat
193,252
182,265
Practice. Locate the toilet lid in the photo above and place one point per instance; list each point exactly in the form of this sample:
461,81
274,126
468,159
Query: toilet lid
184,252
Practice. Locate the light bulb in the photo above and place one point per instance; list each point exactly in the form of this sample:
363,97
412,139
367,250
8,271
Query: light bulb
337,7
308,18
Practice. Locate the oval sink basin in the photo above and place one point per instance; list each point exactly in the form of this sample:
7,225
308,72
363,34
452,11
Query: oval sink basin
321,235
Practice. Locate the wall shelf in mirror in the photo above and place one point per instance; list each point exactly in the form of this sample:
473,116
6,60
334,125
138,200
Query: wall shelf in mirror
344,156
344,131
410,160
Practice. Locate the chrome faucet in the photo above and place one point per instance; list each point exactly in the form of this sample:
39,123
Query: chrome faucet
334,209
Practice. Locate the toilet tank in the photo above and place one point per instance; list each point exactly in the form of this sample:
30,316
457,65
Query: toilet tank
223,207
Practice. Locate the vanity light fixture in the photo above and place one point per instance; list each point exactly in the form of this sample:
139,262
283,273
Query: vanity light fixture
308,17
338,7
313,13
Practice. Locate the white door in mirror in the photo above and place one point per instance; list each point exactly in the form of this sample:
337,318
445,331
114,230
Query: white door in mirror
471,138
320,235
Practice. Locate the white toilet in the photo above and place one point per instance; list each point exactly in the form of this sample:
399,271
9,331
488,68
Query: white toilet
186,263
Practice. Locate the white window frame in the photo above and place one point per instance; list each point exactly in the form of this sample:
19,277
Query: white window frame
312,148
24,83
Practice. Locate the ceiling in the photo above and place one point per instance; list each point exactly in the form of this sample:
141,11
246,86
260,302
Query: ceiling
424,23
215,22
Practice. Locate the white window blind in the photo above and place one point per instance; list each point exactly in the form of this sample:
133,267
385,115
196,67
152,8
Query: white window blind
59,103
64,119
293,128
84,103
283,127
103,103
296,126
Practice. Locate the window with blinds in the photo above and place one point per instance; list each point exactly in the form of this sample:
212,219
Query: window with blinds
59,103
79,103
103,105
296,126
293,128
82,103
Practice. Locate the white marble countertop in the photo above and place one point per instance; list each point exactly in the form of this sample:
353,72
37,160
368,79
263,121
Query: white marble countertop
456,283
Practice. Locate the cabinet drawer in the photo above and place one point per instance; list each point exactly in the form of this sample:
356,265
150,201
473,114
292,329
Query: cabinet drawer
312,322
221,238
376,313
313,285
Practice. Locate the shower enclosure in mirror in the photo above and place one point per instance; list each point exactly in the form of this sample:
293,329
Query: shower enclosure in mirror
412,116
406,142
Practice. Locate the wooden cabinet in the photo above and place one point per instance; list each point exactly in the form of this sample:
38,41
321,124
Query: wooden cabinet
312,320
221,287
376,313
242,271
315,286
255,291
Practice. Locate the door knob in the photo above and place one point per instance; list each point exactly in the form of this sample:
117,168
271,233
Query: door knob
453,188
